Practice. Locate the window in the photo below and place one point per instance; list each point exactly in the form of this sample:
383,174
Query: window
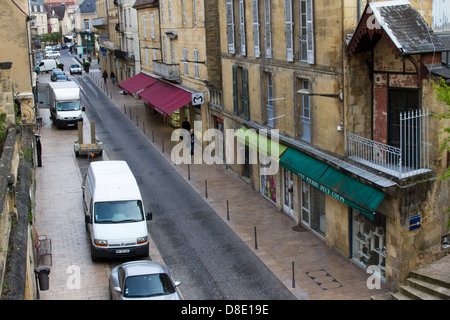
240,92
145,26
162,9
440,14
255,18
146,56
185,63
183,8
289,32
306,31
152,25
196,65
242,47
267,30
268,94
230,26
305,112
170,10
194,7
87,24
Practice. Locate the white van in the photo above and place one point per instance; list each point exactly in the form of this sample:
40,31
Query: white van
47,65
114,211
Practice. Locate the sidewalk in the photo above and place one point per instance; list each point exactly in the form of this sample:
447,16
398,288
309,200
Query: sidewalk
319,272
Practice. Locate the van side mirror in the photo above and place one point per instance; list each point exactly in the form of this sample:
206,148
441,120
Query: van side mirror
83,109
149,216
87,219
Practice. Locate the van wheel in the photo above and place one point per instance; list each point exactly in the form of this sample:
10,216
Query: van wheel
93,257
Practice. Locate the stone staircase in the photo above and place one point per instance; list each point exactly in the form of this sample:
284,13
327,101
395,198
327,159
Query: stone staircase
421,285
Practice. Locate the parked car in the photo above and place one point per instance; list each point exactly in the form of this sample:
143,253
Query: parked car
52,54
142,279
55,73
61,77
75,68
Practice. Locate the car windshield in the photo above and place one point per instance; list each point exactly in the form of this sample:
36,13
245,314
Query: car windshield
148,285
118,211
74,66
68,106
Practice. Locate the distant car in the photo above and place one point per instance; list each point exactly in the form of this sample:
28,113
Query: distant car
61,77
142,279
57,47
75,68
52,54
55,73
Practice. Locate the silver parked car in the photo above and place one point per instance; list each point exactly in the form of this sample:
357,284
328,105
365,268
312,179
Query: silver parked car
142,279
75,68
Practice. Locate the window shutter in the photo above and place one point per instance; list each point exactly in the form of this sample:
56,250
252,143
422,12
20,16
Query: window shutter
144,25
230,27
196,65
245,93
161,4
186,67
255,14
194,4
183,5
152,25
235,91
310,30
242,28
289,30
267,31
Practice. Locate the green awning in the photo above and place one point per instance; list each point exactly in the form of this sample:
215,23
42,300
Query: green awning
260,143
334,183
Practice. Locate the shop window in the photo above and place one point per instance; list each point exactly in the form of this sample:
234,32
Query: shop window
369,242
268,186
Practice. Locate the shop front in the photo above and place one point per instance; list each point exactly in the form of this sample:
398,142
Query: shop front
323,189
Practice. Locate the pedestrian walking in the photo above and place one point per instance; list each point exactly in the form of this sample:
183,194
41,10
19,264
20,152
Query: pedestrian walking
105,76
113,76
192,142
38,149
186,125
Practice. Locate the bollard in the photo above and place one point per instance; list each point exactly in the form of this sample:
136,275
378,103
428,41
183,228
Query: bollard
256,240
137,121
228,212
189,172
124,109
293,275
153,137
131,117
143,126
162,145
206,189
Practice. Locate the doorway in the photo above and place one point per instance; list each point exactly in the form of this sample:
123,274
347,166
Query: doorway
288,192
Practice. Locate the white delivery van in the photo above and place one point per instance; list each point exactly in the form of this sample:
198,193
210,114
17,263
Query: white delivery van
64,103
114,211
47,65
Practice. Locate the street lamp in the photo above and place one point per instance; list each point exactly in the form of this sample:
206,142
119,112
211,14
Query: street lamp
306,92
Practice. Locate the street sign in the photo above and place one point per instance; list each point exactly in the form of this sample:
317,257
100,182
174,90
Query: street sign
198,98
414,222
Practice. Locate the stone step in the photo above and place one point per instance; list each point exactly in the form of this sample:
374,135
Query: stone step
400,296
416,294
430,288
439,280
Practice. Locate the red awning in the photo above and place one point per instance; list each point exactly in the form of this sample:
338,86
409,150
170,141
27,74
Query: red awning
137,83
165,98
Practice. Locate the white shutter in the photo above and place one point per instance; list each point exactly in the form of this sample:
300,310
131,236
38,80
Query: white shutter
144,25
194,4
152,24
267,29
183,5
230,27
161,4
196,65
242,27
146,57
310,30
289,30
186,67
170,10
255,13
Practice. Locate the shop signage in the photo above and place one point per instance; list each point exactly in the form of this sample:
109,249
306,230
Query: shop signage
198,98
414,222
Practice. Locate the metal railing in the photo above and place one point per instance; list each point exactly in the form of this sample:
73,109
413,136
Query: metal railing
410,158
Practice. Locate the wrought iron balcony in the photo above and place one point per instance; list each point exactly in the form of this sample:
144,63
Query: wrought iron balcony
410,158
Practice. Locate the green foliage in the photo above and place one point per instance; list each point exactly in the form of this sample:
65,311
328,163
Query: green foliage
53,37
3,129
443,93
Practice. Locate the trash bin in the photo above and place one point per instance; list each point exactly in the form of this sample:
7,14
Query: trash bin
42,274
